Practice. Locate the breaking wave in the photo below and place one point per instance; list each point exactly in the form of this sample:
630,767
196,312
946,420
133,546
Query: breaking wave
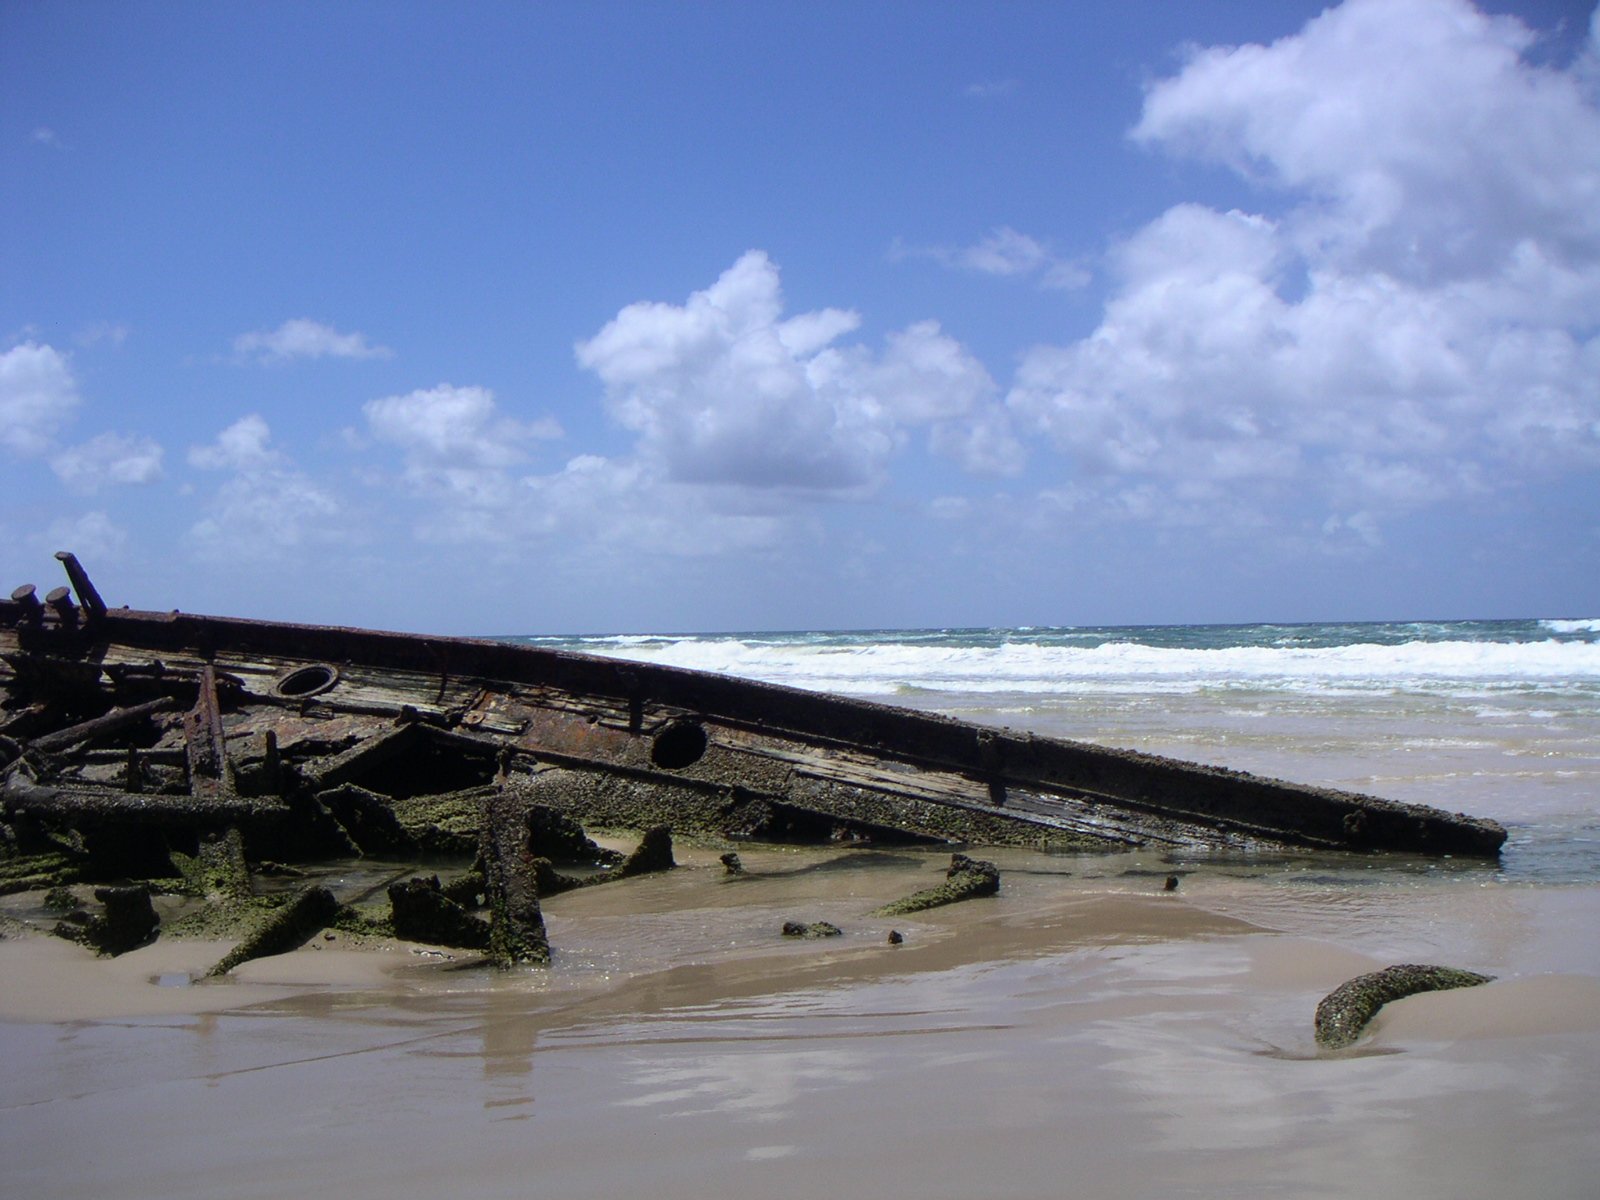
1192,658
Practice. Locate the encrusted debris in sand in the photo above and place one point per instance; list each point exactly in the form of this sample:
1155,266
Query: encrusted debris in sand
966,879
1347,1010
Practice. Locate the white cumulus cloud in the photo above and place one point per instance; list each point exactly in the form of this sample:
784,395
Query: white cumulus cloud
456,444
1421,142
1412,316
725,390
38,396
448,424
304,338
242,446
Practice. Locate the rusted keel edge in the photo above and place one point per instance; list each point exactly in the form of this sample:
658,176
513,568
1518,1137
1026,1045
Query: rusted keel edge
1255,805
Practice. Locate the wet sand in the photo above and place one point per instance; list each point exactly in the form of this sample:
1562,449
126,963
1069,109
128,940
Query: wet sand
1082,1034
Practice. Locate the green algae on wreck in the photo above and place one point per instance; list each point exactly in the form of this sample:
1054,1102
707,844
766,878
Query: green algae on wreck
218,870
966,879
816,929
1347,1010
289,925
38,872
61,899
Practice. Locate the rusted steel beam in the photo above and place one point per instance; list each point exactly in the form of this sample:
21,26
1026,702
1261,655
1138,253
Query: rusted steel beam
94,608
364,755
288,928
209,773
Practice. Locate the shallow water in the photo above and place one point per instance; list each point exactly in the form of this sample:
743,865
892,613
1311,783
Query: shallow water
1531,762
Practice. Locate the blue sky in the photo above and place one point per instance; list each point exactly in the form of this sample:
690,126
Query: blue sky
495,318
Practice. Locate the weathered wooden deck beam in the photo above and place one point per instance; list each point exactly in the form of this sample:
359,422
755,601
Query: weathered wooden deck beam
18,794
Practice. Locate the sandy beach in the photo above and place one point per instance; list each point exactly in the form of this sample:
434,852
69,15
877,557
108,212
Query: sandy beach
1084,1033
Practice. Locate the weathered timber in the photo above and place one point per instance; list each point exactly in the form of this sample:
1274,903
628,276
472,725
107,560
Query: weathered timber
81,803
422,912
112,722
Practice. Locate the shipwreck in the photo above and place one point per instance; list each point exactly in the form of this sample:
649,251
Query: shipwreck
135,745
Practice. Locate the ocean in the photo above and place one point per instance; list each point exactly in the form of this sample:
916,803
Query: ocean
1084,1033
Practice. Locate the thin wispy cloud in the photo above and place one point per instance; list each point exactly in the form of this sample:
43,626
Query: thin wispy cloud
302,338
92,534
1002,253
265,507
992,88
102,333
109,460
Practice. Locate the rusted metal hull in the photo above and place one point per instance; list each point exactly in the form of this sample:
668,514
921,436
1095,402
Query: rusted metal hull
141,720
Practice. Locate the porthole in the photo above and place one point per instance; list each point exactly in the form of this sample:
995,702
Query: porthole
311,680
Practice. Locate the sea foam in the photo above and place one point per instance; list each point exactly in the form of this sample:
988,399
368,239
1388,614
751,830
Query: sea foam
864,666
1588,625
